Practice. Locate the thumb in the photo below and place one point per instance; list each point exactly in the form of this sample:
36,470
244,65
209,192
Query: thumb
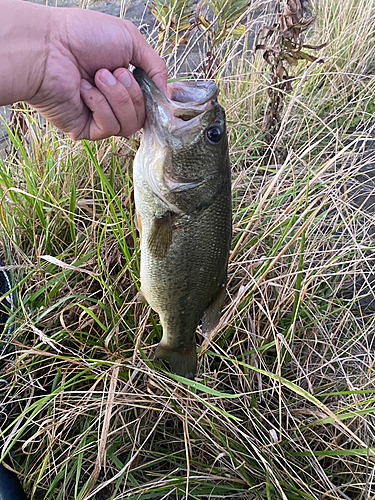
145,57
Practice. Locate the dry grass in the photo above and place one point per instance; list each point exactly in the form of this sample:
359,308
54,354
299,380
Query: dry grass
283,405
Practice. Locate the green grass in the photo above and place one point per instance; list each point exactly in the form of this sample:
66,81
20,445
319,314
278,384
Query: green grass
284,402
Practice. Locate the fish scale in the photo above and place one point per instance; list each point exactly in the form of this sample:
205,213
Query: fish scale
185,230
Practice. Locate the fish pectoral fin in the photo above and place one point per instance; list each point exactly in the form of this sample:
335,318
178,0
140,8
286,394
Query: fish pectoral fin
182,362
138,225
160,236
211,315
141,299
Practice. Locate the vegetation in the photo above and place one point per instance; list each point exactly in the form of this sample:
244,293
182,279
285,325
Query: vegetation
283,406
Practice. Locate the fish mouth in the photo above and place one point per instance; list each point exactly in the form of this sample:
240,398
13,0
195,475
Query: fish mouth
181,111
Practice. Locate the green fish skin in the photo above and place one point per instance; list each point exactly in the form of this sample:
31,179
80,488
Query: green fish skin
182,190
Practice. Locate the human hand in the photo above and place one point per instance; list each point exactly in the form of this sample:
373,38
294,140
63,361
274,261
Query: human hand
84,87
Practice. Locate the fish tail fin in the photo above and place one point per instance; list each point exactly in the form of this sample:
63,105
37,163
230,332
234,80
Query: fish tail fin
182,361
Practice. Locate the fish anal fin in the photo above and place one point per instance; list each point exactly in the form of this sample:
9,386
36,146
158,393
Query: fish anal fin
211,315
160,236
182,362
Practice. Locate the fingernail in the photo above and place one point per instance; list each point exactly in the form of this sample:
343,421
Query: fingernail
86,85
125,79
107,78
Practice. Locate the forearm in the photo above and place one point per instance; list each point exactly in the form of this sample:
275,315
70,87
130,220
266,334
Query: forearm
23,49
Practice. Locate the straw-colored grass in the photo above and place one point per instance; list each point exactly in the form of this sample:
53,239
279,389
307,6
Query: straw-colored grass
283,404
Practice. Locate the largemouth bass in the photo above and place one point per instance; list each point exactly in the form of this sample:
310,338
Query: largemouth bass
182,190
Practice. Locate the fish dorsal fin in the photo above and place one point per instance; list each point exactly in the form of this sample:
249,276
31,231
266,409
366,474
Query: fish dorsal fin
160,235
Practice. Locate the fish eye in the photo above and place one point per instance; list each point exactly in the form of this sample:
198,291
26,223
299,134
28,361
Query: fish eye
214,134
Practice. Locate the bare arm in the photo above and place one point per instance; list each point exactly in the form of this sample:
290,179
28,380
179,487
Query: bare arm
71,66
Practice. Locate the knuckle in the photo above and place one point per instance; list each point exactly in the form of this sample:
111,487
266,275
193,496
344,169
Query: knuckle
137,99
124,99
113,129
128,130
99,101
76,136
159,68
103,132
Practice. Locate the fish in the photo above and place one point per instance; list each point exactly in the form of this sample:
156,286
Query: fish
182,193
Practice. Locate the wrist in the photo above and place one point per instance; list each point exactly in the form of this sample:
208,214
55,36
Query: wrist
24,37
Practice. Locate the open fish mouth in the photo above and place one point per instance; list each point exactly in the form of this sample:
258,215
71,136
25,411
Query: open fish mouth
189,100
